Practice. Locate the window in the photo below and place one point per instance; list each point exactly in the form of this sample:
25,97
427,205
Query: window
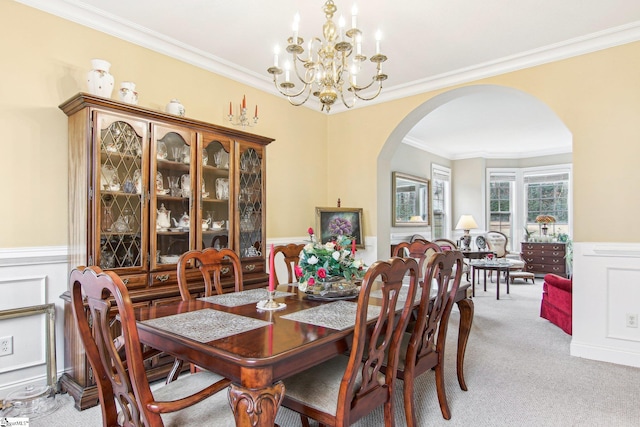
441,201
517,196
501,195
547,194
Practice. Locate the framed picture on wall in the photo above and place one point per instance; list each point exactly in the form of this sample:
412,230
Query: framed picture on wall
331,222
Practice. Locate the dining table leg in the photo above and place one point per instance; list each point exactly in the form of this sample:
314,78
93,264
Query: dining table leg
256,407
466,308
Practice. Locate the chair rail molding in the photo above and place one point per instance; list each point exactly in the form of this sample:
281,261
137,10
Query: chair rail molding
606,288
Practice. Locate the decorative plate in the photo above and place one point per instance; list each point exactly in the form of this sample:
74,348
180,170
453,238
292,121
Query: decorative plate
481,243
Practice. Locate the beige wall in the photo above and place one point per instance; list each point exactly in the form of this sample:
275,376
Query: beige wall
597,96
45,63
316,159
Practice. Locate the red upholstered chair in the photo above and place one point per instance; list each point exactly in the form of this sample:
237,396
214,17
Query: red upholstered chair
556,301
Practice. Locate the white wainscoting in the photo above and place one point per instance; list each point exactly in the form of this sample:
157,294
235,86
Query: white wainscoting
606,287
28,277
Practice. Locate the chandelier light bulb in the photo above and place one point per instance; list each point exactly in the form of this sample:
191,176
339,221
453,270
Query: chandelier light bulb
276,52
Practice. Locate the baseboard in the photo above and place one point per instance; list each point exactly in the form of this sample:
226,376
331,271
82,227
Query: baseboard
604,354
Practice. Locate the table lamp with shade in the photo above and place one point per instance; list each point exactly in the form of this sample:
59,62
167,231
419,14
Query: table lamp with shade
466,223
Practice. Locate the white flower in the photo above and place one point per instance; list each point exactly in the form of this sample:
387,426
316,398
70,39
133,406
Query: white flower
336,255
313,260
329,246
346,253
308,247
357,263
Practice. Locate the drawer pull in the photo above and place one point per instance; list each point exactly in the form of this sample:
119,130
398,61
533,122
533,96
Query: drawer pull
250,267
162,277
125,281
225,270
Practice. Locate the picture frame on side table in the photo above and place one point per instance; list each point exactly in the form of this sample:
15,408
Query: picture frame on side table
331,222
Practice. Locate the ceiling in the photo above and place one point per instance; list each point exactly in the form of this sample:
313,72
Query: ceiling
430,44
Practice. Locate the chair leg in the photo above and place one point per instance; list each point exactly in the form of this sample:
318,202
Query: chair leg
304,420
407,391
175,371
442,394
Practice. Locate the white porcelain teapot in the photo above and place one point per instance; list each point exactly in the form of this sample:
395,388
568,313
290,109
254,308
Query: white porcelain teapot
184,221
163,219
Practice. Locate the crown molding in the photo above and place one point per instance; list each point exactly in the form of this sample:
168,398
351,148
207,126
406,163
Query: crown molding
439,150
76,11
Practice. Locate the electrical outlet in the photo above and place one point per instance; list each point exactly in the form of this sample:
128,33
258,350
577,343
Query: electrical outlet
632,320
6,346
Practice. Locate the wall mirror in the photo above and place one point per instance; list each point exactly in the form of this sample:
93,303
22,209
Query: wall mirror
410,200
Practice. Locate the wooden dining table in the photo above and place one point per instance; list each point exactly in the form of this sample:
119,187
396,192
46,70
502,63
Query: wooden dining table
257,349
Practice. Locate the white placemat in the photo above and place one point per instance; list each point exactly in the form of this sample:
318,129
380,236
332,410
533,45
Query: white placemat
206,325
335,315
236,299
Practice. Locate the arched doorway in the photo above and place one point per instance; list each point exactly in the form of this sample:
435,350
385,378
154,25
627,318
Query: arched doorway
527,118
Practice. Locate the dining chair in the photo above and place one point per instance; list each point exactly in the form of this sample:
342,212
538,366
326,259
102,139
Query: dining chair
450,245
220,241
345,388
423,348
291,254
213,264
125,396
420,250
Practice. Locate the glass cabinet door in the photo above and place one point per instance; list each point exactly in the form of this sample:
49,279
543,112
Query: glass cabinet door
172,195
120,188
216,188
250,201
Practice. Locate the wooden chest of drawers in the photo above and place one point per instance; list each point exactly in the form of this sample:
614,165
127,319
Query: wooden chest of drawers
542,258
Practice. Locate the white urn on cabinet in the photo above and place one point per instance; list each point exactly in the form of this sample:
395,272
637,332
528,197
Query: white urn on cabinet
175,107
99,81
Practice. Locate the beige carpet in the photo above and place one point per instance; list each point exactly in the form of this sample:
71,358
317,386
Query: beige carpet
518,371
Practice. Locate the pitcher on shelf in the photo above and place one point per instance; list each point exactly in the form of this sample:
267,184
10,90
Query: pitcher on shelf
163,220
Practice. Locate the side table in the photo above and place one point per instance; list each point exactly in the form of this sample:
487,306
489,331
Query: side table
485,266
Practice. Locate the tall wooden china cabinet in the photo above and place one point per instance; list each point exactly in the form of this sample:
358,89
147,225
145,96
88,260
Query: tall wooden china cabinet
145,187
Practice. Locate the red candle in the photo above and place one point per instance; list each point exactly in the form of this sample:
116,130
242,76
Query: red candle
256,114
272,273
230,109
353,247
244,101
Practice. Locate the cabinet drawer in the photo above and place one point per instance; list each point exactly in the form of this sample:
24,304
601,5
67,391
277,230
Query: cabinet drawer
253,267
135,281
547,268
163,278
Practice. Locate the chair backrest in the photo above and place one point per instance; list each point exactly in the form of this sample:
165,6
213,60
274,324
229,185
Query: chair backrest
446,244
220,241
497,242
420,250
360,389
291,254
131,390
212,263
430,329
417,237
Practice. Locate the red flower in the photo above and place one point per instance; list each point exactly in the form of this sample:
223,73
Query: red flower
298,271
310,231
322,273
311,281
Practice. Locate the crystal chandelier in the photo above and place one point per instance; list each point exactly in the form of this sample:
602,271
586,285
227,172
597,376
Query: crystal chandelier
330,66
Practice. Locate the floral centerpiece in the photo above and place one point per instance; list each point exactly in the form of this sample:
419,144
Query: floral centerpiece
320,264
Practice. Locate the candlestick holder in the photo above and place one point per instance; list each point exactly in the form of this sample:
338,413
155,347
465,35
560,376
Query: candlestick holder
270,304
242,118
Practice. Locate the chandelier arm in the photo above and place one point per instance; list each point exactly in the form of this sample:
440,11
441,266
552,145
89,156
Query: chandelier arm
275,83
295,68
297,104
372,97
